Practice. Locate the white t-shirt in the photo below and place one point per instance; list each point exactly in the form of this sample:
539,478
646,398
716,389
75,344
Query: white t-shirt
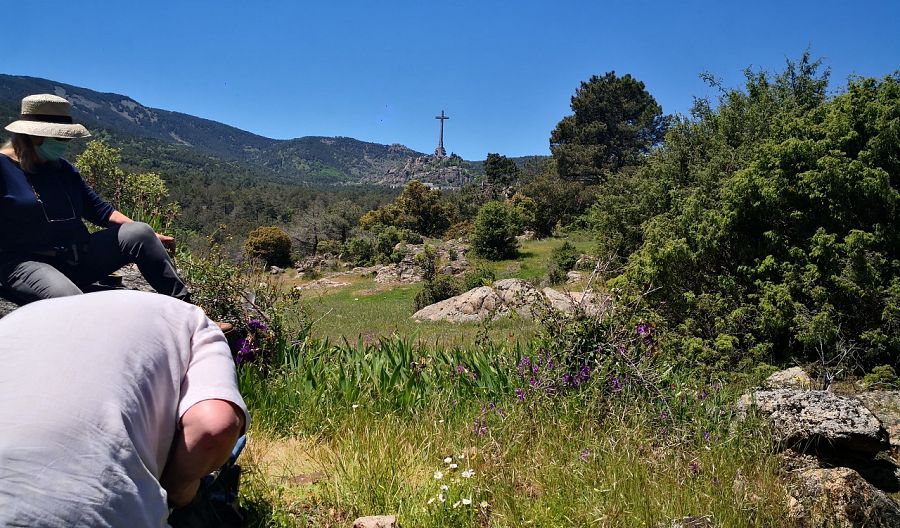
91,388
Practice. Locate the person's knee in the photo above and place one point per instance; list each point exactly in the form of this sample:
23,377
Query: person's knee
137,232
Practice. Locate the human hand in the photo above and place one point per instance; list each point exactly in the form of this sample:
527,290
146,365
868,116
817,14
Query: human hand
168,242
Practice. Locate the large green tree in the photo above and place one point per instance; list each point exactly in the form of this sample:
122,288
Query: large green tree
500,172
615,120
418,208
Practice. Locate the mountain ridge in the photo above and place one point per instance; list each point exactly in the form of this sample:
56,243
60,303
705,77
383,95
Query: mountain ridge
304,160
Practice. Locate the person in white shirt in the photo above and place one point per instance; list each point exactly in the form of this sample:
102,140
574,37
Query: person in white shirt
114,406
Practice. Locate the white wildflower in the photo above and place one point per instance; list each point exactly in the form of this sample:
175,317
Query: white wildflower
431,500
356,406
448,460
484,504
438,475
469,473
466,502
444,487
453,466
456,504
442,497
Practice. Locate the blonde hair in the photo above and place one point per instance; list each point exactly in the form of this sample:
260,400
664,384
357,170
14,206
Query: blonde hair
23,147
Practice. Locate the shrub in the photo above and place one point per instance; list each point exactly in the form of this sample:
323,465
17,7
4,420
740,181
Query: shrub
359,251
494,236
329,246
269,244
436,287
385,242
565,256
779,233
480,276
881,377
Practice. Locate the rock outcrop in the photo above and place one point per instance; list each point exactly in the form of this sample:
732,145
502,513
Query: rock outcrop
505,297
818,421
792,378
835,453
839,497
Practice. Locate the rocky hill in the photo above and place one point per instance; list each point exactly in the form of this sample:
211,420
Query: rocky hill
155,138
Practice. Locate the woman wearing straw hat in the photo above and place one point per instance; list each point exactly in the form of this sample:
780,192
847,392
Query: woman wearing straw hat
45,249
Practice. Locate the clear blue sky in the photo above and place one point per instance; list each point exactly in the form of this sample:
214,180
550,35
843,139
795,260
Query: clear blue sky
380,71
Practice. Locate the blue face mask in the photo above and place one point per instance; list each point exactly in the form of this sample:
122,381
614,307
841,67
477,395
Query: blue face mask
51,149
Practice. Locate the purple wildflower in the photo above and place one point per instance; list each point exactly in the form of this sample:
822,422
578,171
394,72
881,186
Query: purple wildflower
617,386
532,382
460,369
246,352
524,363
256,324
643,330
706,436
585,373
695,467
479,428
585,454
520,394
567,379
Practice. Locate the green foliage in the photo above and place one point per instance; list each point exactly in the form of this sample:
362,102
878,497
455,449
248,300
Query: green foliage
494,235
142,196
269,244
881,377
418,208
615,121
479,276
436,286
359,251
99,165
565,256
329,246
770,230
553,202
500,173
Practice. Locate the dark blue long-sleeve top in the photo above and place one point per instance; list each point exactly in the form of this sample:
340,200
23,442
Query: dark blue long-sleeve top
44,209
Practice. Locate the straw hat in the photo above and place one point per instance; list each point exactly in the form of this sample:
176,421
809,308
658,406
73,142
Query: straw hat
47,115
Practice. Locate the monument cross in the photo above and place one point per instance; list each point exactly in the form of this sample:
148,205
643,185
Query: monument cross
439,151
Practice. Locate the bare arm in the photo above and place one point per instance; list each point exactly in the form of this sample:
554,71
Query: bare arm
203,442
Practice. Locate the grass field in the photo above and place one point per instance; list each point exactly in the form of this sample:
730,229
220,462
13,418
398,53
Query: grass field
367,310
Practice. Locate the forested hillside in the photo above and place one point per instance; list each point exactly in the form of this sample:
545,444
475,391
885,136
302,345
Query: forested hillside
179,143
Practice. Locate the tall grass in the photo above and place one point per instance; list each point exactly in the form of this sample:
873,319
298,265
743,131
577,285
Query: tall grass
612,451
584,426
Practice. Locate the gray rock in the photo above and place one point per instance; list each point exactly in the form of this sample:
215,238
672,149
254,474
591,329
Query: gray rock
6,307
574,276
886,406
376,521
478,304
320,284
508,296
818,421
838,497
792,378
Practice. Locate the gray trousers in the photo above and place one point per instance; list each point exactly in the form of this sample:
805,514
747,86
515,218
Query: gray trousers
27,278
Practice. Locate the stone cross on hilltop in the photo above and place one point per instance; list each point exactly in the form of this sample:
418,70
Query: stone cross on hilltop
439,151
